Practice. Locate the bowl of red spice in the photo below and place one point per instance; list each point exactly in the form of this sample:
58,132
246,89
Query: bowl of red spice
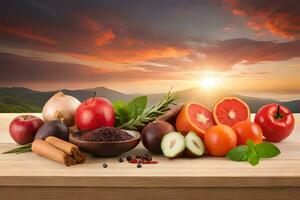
106,141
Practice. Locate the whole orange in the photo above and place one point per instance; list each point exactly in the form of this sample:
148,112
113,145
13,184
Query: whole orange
219,140
246,130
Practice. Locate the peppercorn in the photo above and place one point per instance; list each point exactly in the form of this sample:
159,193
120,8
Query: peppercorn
139,165
105,165
121,159
128,158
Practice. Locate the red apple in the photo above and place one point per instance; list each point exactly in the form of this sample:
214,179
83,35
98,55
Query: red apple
23,128
95,113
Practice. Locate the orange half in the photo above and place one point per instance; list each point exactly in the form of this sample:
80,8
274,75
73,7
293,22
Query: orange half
194,117
230,111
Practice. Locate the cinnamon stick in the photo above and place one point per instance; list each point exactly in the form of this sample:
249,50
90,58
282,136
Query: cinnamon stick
47,150
68,148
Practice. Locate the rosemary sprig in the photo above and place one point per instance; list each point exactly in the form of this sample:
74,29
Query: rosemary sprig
151,114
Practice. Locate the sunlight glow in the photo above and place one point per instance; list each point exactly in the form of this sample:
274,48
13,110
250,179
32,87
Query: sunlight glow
209,83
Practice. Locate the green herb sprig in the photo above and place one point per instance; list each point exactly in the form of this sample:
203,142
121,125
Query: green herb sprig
21,149
253,153
134,115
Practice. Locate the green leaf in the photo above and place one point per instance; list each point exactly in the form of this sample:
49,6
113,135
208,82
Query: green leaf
239,153
137,106
253,158
120,106
250,144
267,150
121,112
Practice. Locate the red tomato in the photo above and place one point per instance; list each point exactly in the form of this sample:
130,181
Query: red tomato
277,122
219,140
246,130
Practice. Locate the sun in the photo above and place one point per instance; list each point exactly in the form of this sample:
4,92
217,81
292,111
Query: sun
209,83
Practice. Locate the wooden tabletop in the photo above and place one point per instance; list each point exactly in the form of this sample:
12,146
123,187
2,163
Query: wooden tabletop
30,169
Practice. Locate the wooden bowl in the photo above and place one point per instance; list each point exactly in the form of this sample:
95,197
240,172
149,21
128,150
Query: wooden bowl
106,149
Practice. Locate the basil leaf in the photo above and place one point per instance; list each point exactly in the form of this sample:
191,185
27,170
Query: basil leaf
121,112
137,106
239,153
267,150
250,145
253,158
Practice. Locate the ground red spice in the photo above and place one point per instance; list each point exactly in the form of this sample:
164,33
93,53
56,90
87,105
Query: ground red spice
134,161
145,159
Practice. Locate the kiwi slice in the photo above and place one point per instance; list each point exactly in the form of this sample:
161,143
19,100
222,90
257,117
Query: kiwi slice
172,144
194,145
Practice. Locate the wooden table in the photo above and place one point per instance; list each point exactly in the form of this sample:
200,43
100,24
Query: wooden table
29,176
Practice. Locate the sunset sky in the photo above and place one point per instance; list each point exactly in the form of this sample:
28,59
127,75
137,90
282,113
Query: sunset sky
148,46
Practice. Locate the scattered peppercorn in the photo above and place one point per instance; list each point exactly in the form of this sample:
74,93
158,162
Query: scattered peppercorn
139,165
121,159
105,165
128,158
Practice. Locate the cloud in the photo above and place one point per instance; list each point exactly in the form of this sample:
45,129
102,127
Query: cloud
89,42
27,34
278,17
225,54
18,69
105,38
90,31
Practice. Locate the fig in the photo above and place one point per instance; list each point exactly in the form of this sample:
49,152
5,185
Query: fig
153,133
54,128
194,146
173,144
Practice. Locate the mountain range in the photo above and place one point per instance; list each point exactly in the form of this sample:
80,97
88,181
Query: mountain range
19,99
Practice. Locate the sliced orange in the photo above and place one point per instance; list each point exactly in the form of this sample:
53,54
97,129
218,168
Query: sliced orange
194,117
230,111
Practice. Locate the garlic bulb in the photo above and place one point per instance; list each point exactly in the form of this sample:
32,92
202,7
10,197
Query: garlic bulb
60,107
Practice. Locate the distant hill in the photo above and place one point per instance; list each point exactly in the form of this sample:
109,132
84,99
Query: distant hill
209,98
18,99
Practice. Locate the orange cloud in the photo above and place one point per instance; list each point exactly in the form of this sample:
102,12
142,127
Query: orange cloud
135,55
27,34
132,55
281,18
105,38
238,12
254,25
284,25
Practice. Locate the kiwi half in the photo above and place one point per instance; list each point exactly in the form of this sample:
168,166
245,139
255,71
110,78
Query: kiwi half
173,144
194,145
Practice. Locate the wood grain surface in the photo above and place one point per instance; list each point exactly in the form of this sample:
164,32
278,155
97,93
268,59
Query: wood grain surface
176,178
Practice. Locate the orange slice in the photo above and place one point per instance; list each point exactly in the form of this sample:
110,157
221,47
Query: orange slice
230,111
194,117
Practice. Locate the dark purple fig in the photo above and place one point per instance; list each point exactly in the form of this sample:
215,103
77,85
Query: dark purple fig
153,133
54,128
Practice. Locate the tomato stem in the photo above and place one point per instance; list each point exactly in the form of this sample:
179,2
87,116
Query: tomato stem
278,116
